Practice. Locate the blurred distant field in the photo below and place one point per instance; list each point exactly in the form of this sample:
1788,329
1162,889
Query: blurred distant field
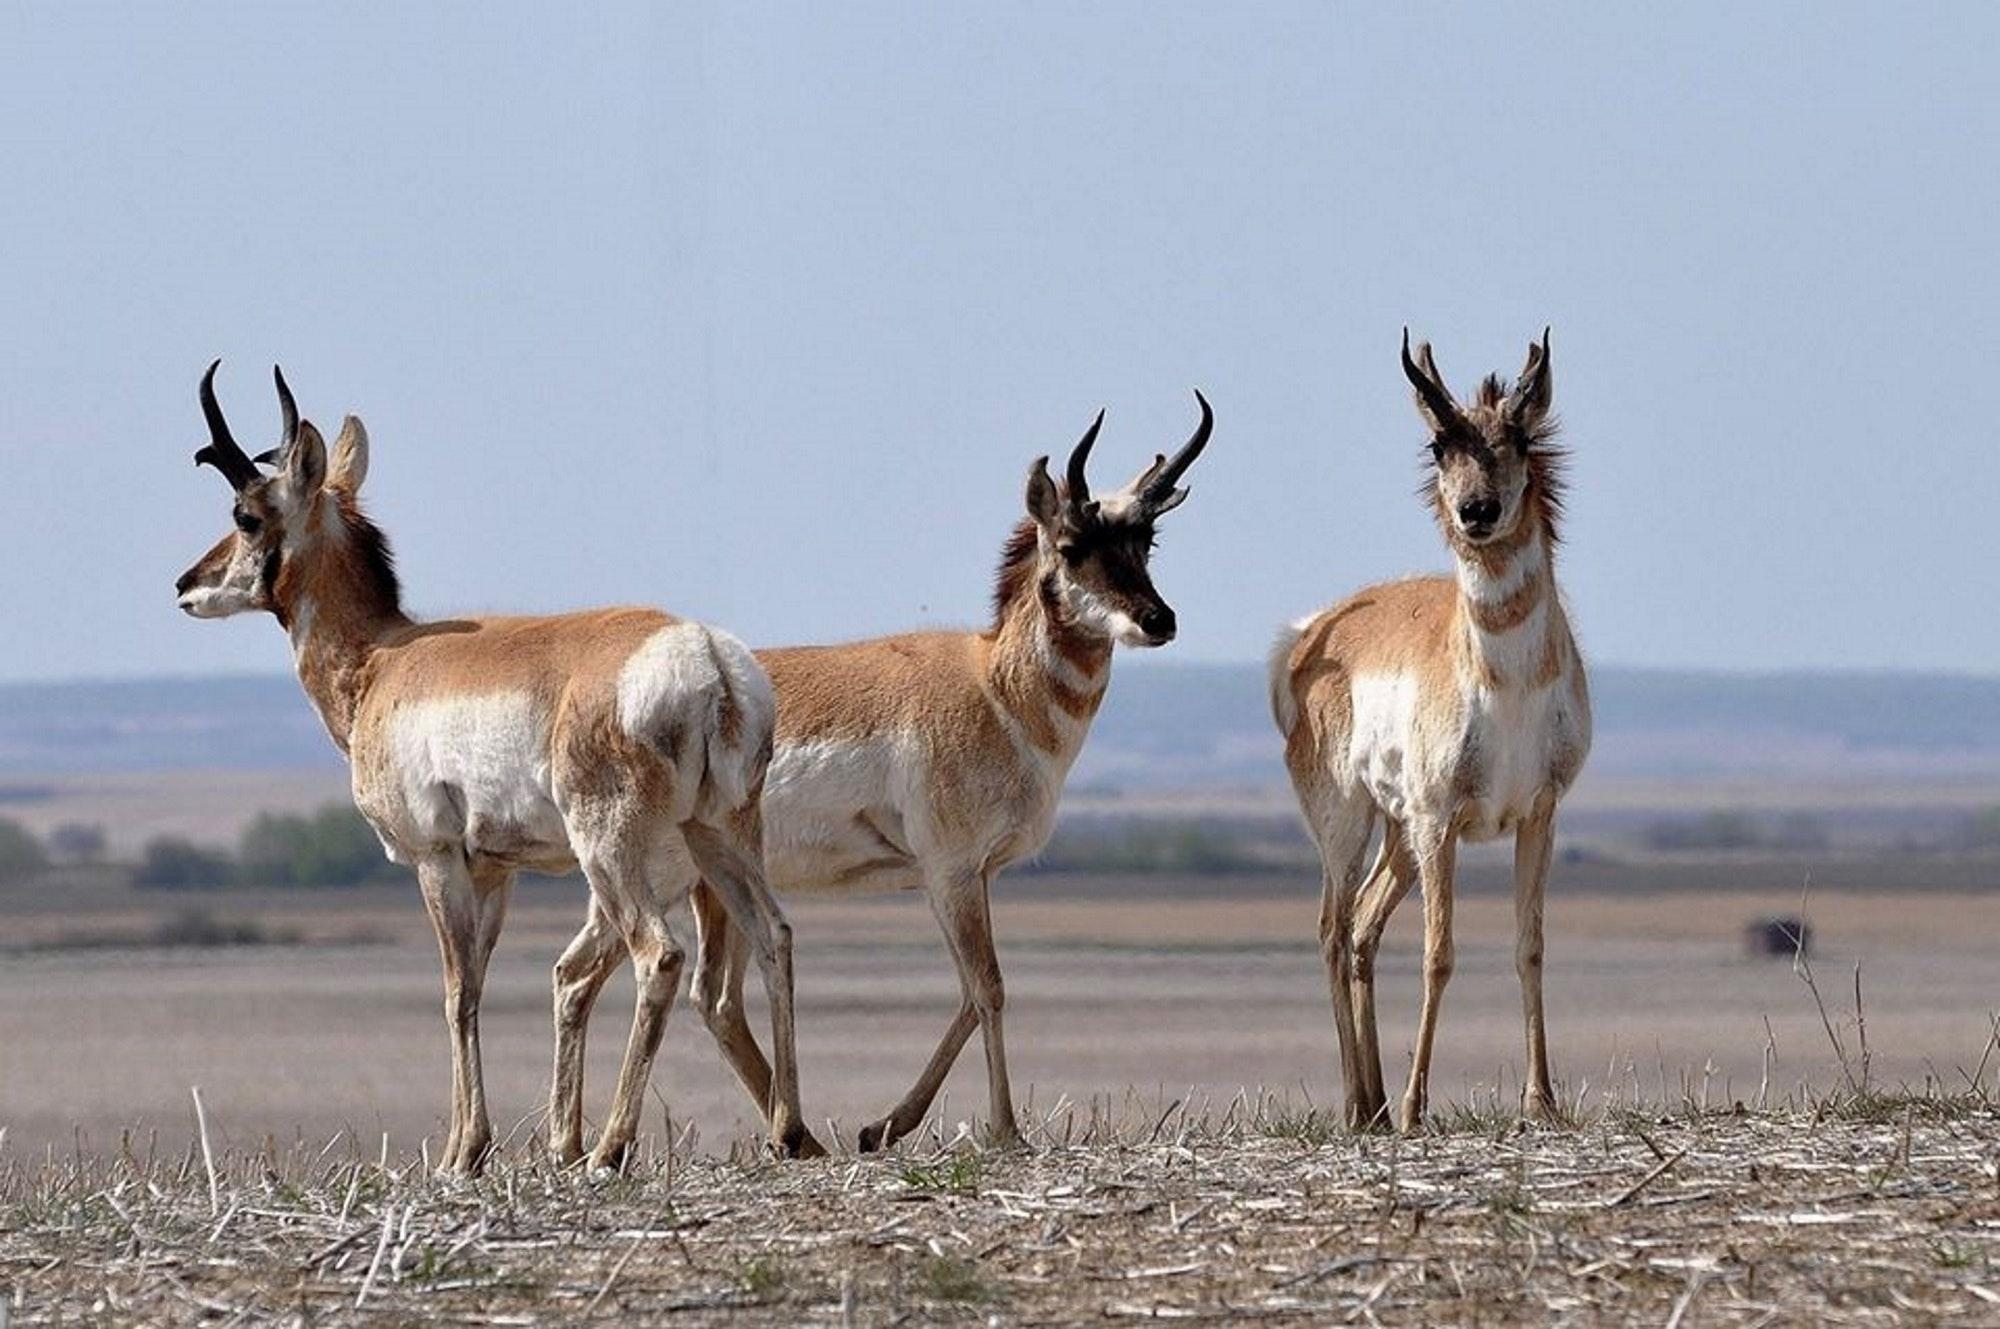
1117,986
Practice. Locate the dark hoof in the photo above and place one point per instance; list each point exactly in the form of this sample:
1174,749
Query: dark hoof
798,1142
872,1138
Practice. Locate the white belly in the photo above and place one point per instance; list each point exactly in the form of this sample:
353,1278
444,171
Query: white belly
475,771
834,816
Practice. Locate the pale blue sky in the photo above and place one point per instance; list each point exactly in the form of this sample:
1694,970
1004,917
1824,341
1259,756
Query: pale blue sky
760,312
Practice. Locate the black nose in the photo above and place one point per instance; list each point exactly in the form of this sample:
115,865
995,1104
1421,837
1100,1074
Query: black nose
1157,622
1479,511
186,580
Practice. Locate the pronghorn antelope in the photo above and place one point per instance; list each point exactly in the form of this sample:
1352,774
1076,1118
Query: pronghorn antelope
1452,707
934,760
624,741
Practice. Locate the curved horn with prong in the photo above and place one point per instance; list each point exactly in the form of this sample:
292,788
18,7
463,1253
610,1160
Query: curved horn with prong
1079,488
1430,388
1156,486
222,451
1529,397
276,456
290,408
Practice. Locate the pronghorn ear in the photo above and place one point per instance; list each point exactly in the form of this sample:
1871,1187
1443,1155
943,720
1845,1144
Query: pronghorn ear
1044,499
305,463
1527,405
349,466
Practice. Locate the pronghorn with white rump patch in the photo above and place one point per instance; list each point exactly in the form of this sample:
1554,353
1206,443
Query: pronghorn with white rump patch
934,760
1450,707
624,741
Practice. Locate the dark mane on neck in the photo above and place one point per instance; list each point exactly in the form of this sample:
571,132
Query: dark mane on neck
377,588
1548,482
1017,569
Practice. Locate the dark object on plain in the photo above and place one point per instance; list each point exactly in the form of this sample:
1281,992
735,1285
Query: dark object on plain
1778,936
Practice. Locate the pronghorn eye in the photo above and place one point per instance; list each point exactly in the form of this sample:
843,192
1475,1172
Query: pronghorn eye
1437,449
1072,554
246,522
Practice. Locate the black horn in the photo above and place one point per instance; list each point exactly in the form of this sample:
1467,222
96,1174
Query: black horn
1079,488
1432,392
1530,392
222,451
1158,485
290,408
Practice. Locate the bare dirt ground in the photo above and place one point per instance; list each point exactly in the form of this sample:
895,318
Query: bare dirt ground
1651,997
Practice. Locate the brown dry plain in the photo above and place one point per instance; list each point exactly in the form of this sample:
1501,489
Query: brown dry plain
1116,986
1172,1045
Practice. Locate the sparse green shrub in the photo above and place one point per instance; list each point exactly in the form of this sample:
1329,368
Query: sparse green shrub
332,847
1185,847
175,864
1714,830
1982,830
763,1276
957,1174
21,854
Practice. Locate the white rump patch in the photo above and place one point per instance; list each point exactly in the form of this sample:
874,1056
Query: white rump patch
668,677
678,682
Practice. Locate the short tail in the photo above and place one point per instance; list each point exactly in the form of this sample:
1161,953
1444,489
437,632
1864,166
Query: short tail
743,727
1284,702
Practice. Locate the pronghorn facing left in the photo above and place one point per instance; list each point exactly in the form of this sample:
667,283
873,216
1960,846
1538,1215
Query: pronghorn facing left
624,741
932,761
1452,707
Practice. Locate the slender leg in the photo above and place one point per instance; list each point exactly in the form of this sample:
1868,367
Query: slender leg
720,958
452,901
960,900
579,976
1435,847
731,860
904,1117
1388,883
1531,874
656,971
1343,840
492,886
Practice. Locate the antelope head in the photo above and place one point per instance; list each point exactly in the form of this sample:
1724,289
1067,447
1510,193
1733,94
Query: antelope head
1486,458
1096,549
281,517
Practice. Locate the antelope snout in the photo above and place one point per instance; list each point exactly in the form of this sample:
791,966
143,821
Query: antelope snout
1477,516
1158,624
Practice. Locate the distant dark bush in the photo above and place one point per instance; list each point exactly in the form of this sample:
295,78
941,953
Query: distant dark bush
332,847
21,854
1982,830
1799,831
77,842
173,864
1716,830
198,927
1185,847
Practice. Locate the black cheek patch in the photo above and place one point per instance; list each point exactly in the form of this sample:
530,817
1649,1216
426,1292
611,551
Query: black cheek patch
267,580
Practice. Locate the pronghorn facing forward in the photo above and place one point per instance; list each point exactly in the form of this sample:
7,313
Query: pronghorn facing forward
932,761
625,741
1451,707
